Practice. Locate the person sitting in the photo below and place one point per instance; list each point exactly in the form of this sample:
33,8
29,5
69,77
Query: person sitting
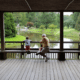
45,49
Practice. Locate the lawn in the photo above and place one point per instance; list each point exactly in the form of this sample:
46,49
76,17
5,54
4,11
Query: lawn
17,38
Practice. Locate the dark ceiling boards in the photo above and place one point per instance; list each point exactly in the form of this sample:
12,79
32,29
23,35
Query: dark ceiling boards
21,5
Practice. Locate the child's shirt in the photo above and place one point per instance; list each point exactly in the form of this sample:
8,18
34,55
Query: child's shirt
27,42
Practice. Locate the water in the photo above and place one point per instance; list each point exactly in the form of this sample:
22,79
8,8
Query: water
65,45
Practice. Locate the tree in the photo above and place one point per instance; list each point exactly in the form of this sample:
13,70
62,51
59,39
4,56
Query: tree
68,21
10,30
57,20
47,18
30,24
75,17
77,26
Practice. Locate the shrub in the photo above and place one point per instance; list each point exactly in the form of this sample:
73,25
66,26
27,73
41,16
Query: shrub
30,24
52,26
42,26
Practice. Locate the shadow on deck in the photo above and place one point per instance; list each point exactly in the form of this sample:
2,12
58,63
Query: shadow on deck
36,69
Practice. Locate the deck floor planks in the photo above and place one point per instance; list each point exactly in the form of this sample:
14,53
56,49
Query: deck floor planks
29,69
51,70
3,61
36,76
22,72
20,69
65,70
6,69
75,69
44,71
3,64
33,71
58,70
62,70
69,71
48,70
72,70
11,70
40,70
55,71
16,68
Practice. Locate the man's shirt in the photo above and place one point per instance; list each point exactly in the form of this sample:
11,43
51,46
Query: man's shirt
45,41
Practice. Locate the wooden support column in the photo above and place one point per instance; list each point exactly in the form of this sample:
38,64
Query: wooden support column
61,56
79,52
22,48
2,55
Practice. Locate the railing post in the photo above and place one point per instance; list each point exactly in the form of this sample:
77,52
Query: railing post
3,56
61,56
22,48
79,49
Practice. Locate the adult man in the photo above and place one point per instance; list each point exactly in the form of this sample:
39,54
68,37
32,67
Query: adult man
45,49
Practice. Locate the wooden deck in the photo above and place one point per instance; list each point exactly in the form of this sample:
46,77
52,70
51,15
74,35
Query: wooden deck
36,69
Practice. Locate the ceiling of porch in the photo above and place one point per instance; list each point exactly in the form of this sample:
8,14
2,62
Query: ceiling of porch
36,5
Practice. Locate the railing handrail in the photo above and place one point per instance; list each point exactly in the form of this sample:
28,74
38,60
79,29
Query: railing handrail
39,42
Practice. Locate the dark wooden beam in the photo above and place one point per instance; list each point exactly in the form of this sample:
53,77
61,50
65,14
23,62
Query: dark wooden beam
61,56
2,55
61,30
2,31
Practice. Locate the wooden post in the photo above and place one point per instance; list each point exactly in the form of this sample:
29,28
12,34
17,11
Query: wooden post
79,49
61,56
22,48
2,55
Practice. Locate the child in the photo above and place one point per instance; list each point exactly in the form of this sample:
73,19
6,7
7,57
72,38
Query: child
27,44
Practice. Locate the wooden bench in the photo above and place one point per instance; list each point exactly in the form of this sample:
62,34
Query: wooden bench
60,56
34,51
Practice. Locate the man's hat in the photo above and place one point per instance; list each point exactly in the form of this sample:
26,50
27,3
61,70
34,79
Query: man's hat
43,34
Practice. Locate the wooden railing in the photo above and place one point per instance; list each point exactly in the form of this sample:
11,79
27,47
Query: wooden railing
51,55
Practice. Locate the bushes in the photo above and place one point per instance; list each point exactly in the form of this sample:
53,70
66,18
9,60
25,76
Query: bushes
42,26
52,26
30,24
10,30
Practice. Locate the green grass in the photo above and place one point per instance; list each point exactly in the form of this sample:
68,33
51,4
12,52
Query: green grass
45,31
17,38
71,34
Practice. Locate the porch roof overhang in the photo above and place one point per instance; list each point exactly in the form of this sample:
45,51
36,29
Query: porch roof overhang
37,5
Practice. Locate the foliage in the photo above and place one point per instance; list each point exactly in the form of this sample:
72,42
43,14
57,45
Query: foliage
0,33
77,26
68,21
30,24
10,30
47,18
42,26
38,18
52,26
57,20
